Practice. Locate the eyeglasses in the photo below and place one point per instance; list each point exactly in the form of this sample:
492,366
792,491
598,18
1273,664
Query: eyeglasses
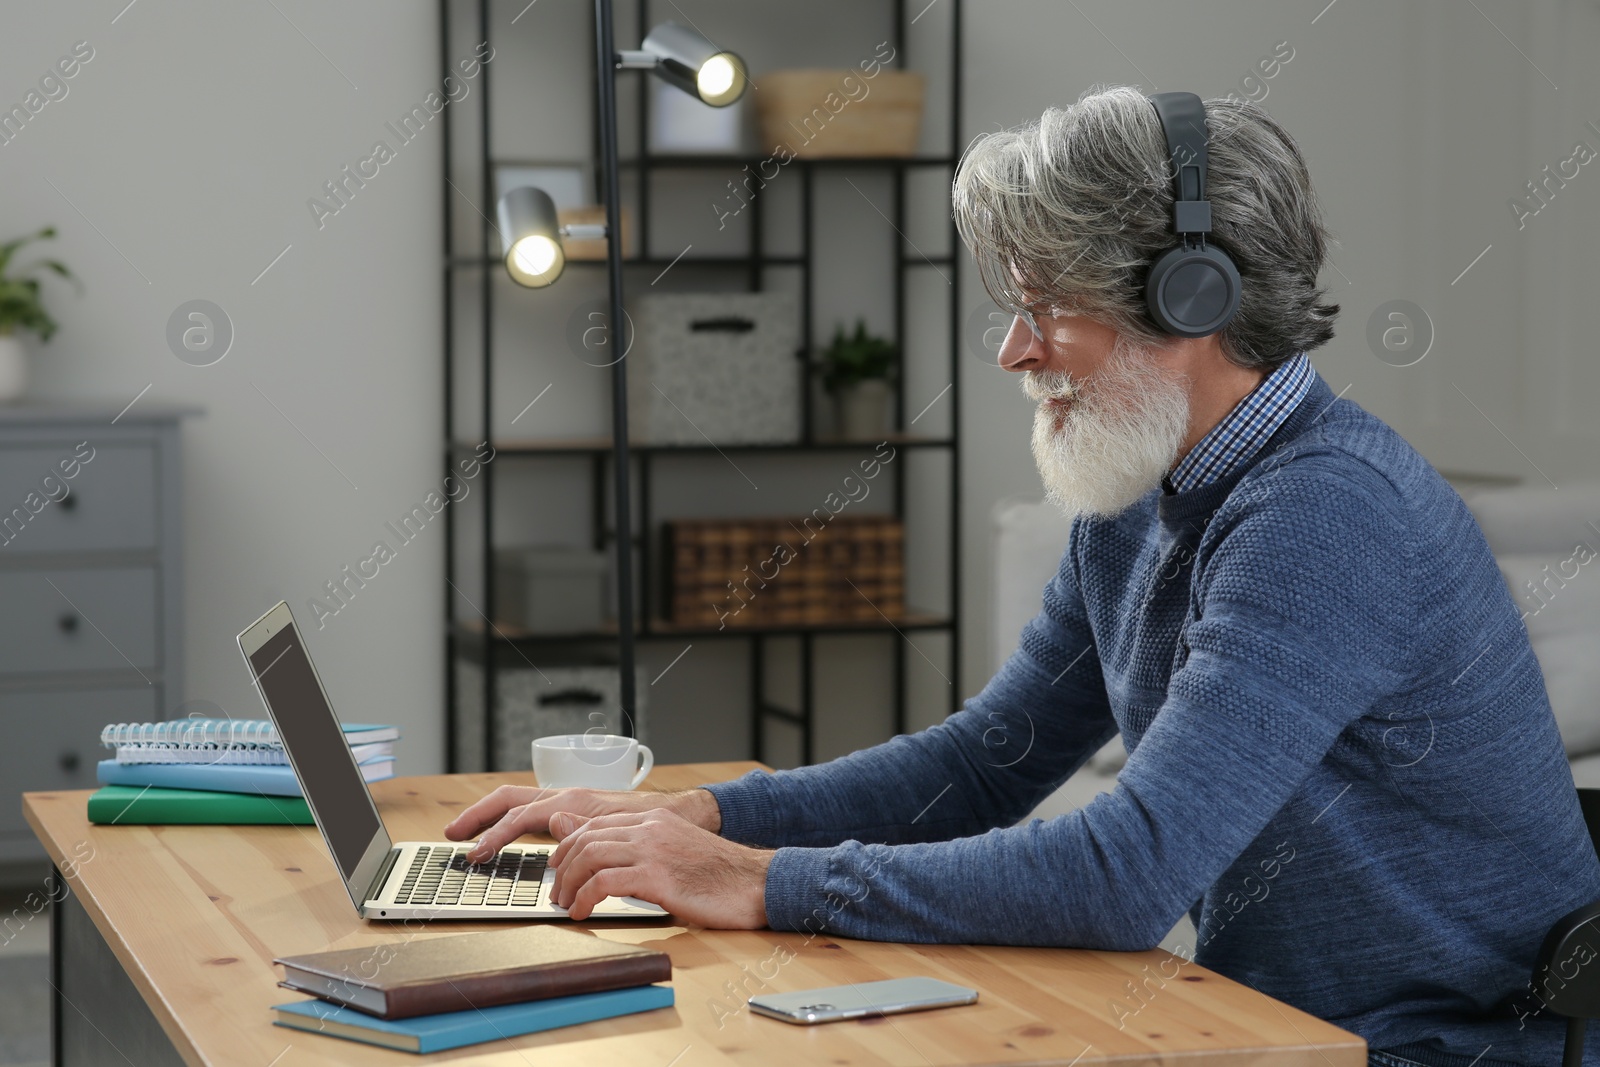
1030,316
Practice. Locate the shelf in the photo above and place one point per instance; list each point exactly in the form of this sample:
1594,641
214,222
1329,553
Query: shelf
658,262
655,185
479,262
688,160
580,446
511,634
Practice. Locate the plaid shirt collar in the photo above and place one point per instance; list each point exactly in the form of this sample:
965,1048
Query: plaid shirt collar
1245,429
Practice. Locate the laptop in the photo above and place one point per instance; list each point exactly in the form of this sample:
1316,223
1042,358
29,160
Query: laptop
388,880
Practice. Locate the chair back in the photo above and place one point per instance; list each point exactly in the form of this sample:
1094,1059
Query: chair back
1589,801
1560,978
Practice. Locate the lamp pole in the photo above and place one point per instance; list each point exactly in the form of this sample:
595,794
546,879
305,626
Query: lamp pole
606,101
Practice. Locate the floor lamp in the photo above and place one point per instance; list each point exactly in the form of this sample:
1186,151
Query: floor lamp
531,237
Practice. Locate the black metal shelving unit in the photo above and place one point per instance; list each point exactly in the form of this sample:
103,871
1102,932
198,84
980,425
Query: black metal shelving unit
496,644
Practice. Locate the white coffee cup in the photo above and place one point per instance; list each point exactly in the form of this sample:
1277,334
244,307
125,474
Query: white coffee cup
597,761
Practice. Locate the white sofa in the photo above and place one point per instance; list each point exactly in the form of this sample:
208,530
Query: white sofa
1547,542
1029,538
1549,537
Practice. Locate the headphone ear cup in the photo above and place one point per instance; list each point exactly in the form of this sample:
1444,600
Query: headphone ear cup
1192,292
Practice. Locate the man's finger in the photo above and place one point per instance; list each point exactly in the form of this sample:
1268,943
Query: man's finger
563,823
533,816
487,811
598,822
539,803
470,821
614,882
573,868
511,826
597,855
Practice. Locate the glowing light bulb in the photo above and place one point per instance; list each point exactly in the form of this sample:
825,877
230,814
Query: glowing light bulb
535,255
716,77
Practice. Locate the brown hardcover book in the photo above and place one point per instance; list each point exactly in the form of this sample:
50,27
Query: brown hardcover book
746,596
866,568
709,592
813,565
845,601
698,582
688,539
785,565
426,976
680,555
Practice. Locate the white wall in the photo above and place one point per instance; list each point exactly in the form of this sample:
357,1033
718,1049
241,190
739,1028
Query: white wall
195,136
191,143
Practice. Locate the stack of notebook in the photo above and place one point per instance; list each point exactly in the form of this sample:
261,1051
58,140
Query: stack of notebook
215,771
429,994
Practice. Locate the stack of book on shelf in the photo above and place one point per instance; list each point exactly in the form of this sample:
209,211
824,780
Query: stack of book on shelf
785,571
427,994
215,771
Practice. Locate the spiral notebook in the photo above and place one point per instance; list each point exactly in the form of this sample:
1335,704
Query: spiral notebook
227,741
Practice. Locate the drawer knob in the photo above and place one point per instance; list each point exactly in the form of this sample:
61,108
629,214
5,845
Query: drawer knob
68,623
69,502
69,761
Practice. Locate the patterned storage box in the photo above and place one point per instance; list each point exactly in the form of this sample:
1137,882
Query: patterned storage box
717,366
564,700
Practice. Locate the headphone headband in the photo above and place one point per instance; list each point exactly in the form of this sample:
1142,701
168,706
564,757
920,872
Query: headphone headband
1191,290
1183,120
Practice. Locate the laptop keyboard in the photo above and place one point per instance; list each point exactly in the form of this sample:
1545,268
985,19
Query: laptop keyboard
440,874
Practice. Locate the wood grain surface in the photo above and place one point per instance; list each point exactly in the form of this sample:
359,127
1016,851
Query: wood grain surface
195,914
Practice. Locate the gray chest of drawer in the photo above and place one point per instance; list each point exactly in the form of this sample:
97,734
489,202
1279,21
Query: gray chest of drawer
90,591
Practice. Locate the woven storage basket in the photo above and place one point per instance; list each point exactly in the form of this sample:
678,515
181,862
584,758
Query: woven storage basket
810,112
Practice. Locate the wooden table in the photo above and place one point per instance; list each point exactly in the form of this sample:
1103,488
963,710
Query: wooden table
193,915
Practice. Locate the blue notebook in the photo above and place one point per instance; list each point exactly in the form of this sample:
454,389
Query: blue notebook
452,1029
272,780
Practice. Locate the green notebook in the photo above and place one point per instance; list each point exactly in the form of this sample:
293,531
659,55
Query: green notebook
133,805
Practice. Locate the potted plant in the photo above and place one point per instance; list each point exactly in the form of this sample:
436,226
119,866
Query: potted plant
21,309
856,371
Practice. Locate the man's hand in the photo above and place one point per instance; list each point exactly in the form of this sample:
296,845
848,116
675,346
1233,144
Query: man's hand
513,810
661,857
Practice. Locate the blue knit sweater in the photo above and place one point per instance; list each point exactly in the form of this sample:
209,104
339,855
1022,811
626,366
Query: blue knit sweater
1343,763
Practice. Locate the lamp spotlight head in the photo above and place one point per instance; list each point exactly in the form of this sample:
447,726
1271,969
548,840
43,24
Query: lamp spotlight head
531,235
686,59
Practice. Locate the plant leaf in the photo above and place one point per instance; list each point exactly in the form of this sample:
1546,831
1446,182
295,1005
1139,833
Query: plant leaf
19,292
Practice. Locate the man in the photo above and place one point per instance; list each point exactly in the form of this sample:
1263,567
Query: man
1342,761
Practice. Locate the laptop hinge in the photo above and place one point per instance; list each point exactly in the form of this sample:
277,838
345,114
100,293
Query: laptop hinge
375,891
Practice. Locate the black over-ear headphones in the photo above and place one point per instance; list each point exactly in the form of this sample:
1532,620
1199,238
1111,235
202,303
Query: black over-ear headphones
1192,289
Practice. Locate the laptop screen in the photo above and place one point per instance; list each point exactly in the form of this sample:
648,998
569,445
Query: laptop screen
317,748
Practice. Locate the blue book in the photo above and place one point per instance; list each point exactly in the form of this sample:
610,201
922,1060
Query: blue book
274,780
452,1029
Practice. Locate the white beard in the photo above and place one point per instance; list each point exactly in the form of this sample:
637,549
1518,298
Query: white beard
1120,435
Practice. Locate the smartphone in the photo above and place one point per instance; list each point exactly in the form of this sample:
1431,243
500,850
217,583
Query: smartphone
832,1003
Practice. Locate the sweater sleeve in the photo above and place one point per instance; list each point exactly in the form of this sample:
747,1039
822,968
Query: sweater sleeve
988,765
1302,606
